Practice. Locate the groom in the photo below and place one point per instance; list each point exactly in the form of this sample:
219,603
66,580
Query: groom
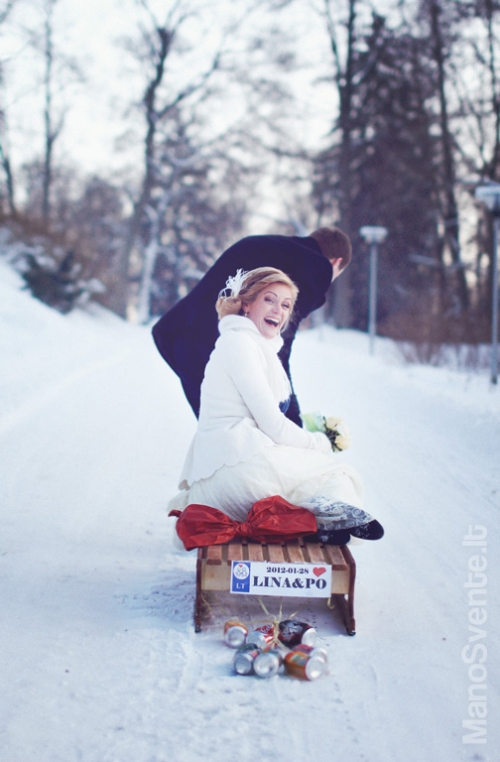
185,336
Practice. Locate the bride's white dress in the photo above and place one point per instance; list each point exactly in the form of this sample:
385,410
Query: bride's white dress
303,477
245,449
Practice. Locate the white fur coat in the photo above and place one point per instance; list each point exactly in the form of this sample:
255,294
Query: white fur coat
239,414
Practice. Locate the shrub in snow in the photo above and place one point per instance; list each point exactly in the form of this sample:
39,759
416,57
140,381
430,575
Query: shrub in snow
56,283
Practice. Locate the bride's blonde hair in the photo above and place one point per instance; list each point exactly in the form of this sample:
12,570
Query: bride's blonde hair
251,285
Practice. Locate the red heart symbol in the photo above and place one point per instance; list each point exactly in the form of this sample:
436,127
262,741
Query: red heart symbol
319,570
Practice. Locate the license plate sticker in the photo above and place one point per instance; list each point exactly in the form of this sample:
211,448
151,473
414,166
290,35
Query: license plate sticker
292,580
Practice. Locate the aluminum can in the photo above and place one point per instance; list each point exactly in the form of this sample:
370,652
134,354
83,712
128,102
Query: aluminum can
292,632
315,651
244,659
304,665
268,663
235,633
262,636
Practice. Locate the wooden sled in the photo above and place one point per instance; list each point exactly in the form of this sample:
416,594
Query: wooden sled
213,569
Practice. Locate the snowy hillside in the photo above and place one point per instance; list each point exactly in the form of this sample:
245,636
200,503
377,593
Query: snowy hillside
98,657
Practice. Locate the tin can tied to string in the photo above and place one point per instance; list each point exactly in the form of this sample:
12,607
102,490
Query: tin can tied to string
267,663
292,632
263,636
235,633
244,659
306,662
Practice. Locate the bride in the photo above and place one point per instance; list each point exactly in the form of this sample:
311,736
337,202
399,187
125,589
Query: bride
245,448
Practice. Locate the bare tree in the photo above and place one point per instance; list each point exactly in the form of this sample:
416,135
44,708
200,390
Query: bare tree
6,163
168,106
480,105
51,80
480,116
52,124
5,160
487,9
442,20
95,227
349,72
158,103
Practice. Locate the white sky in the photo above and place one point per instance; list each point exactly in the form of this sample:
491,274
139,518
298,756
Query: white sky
90,32
86,31
99,110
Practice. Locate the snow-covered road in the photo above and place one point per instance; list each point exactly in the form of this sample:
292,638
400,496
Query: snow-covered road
98,657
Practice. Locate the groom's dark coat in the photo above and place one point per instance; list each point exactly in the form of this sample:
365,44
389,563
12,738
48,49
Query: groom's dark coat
186,335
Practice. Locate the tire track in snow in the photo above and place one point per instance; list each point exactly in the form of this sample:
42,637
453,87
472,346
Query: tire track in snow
46,396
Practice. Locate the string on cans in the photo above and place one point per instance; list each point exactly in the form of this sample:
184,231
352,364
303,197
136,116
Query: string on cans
275,621
331,605
280,615
224,608
263,606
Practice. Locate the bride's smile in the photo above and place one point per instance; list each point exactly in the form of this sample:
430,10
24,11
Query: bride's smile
271,309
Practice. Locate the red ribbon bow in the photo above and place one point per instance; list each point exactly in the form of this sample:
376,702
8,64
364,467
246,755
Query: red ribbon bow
272,519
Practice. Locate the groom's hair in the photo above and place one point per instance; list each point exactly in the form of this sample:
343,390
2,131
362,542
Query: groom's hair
334,244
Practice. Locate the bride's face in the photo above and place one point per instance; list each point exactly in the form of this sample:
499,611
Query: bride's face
271,309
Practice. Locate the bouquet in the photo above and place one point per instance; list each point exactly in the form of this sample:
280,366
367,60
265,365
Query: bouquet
335,429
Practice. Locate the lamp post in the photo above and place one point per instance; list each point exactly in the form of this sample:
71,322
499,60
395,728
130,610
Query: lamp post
373,235
490,196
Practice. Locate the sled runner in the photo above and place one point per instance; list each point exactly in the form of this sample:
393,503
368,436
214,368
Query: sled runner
213,569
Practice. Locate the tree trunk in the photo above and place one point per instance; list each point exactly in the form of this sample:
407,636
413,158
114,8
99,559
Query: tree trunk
341,292
150,254
9,177
47,114
136,237
452,228
493,172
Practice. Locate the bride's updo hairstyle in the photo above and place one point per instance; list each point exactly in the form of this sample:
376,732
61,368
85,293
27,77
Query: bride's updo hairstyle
244,288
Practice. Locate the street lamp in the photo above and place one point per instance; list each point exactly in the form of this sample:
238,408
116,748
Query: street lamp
490,196
373,235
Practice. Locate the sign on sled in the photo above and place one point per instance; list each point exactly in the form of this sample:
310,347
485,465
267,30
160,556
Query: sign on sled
293,580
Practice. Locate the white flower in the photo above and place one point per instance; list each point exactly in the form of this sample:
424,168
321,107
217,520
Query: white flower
338,433
334,427
332,422
342,441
